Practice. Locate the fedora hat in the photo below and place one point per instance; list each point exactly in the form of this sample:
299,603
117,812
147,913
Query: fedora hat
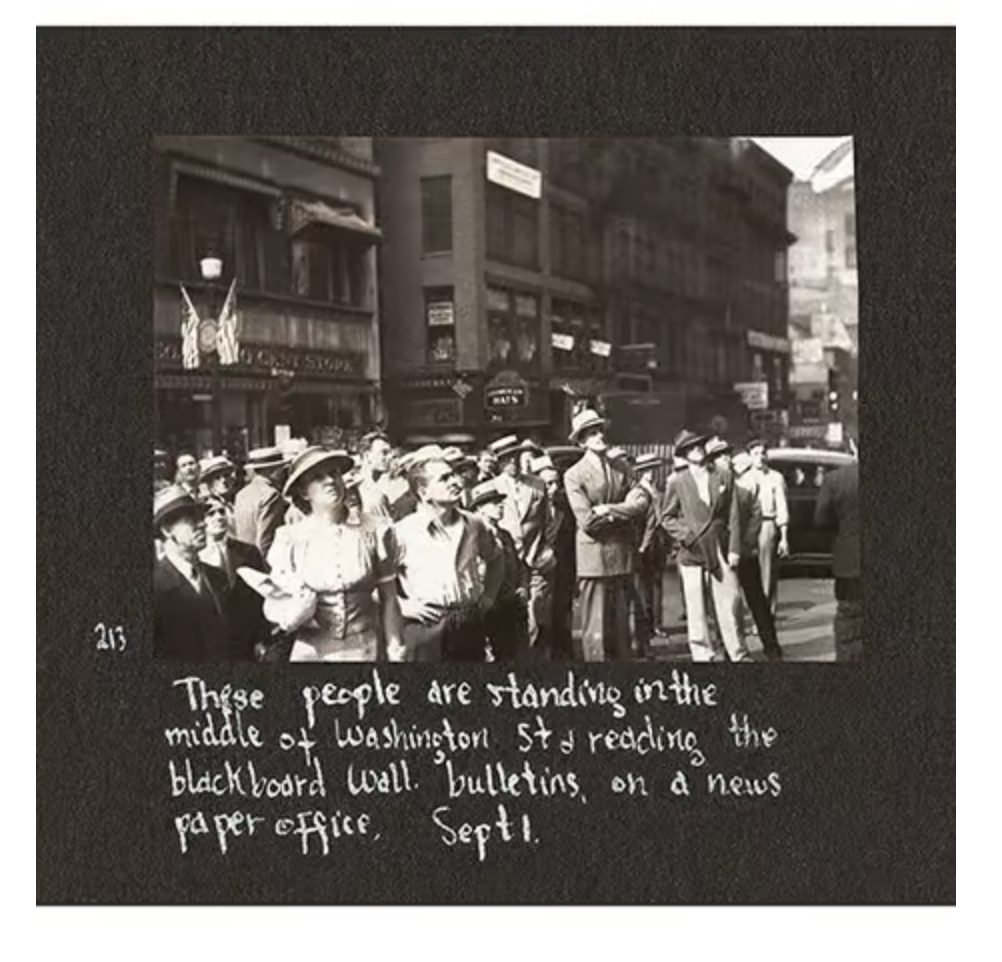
311,458
617,454
583,420
485,493
505,447
687,439
172,501
647,461
716,447
261,458
211,467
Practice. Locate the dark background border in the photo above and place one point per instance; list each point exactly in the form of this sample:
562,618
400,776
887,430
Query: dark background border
874,819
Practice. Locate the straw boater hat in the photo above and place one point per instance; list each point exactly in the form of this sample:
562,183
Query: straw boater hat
686,439
172,501
504,447
647,461
583,420
543,463
484,493
261,458
458,459
717,447
313,457
209,468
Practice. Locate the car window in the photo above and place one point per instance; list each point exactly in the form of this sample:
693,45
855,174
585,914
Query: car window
802,475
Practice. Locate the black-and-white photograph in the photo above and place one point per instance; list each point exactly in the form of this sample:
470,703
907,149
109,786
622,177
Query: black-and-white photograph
510,400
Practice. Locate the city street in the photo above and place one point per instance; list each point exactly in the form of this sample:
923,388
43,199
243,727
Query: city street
806,612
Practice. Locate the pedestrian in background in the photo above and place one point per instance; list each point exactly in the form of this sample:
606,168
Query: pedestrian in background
653,548
374,452
186,473
259,508
838,509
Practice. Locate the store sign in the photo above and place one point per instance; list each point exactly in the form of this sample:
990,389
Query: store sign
433,412
810,350
506,390
600,348
754,394
563,342
809,374
514,176
526,305
768,342
261,358
808,432
441,314
498,300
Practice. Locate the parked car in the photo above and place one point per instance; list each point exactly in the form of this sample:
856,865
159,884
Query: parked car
804,470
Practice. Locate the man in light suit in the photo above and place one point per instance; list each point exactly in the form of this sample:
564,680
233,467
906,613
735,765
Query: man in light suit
259,508
702,515
524,517
607,505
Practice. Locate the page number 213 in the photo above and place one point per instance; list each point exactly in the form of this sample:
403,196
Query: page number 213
109,637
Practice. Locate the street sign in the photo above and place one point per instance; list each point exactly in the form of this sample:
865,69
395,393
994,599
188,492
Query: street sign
515,176
441,314
754,394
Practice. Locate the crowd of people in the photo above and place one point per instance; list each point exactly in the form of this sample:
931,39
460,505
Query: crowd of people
437,554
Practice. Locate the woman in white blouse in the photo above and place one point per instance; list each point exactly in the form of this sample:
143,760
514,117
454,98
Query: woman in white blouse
349,562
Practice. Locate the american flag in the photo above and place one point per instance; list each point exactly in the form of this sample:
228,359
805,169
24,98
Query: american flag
189,331
227,336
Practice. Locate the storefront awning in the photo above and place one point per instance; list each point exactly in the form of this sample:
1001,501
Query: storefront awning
305,215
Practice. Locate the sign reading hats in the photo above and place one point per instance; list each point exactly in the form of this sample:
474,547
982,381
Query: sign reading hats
172,502
585,420
506,390
312,458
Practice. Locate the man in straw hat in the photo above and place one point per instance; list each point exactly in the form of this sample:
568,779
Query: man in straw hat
449,567
189,622
524,518
607,504
259,508
702,515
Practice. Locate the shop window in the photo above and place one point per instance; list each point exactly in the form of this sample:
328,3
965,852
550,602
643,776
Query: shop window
440,318
512,330
436,215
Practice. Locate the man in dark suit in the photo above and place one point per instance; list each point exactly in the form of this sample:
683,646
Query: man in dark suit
189,621
607,504
838,508
560,536
259,509
524,518
652,552
241,604
702,515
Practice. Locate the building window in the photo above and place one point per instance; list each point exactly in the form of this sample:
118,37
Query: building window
440,318
512,330
566,162
436,215
850,256
567,243
512,227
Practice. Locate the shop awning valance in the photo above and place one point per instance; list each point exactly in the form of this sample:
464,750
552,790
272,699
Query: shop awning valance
311,214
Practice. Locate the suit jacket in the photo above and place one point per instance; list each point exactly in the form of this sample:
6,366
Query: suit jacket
258,512
524,518
606,544
703,531
838,508
188,625
652,534
515,573
561,535
242,605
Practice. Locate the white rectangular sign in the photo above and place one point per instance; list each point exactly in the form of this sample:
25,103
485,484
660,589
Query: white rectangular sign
563,342
440,314
513,175
601,348
754,394
810,350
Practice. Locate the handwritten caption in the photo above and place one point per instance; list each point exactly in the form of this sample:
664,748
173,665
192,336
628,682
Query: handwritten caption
476,772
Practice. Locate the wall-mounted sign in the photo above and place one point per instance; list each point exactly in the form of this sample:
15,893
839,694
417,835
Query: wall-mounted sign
506,390
562,342
768,342
526,305
809,350
600,348
754,394
268,359
510,173
441,314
